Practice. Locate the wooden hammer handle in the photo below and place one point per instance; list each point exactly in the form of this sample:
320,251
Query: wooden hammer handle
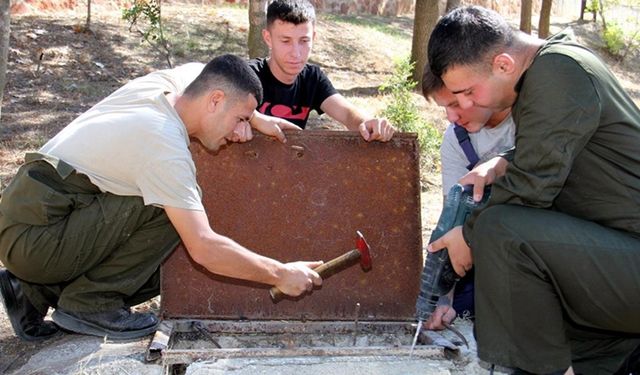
344,259
323,270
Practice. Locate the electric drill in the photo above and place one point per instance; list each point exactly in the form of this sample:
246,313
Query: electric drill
438,276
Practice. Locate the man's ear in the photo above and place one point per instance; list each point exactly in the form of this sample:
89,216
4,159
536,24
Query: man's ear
215,99
503,64
266,36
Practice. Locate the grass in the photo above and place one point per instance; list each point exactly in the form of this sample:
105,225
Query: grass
222,33
373,23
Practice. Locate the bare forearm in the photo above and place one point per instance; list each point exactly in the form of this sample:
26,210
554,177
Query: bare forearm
223,256
354,119
340,109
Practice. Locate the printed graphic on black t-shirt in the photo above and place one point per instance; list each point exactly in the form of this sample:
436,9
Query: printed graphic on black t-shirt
284,111
293,102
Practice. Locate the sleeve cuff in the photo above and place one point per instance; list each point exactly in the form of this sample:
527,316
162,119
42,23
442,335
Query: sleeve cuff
508,154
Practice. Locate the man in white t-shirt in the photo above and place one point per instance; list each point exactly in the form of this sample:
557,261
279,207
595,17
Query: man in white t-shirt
474,136
86,221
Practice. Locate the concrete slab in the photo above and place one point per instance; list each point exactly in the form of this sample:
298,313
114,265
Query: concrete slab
317,365
466,362
75,354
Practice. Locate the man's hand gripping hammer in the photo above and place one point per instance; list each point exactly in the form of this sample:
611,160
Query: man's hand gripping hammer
361,253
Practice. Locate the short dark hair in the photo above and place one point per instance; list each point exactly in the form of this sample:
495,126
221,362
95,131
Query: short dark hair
430,82
467,36
228,73
291,11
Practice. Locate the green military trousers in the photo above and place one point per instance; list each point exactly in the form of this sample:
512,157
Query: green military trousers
553,291
76,247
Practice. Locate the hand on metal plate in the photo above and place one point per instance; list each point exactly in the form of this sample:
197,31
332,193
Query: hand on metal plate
242,133
376,129
272,126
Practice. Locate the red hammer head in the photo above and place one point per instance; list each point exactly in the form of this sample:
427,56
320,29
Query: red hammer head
363,248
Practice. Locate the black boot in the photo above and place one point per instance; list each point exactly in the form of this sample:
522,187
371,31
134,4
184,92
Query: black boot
27,322
119,324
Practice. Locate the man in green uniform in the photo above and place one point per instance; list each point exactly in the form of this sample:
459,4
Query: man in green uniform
557,249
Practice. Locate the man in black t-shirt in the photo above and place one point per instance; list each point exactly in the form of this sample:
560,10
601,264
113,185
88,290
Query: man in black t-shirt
292,87
295,101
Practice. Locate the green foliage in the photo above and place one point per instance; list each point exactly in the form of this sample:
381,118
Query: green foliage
614,38
593,6
148,11
620,25
402,111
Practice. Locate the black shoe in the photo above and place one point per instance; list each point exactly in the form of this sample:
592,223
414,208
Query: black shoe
27,322
120,324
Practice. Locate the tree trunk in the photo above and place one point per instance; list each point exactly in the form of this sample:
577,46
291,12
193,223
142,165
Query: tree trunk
426,16
257,22
601,11
451,5
545,19
88,23
5,29
525,15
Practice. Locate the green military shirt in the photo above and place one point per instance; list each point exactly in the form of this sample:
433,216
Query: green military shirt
577,147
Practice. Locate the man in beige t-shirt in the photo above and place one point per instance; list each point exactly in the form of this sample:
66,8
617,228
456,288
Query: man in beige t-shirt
88,219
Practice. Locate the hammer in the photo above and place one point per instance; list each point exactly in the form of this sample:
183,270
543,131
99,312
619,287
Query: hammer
361,252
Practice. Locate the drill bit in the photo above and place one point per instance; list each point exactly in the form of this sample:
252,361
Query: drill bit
355,328
415,338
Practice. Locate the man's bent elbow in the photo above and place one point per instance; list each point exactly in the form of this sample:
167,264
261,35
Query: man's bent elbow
199,252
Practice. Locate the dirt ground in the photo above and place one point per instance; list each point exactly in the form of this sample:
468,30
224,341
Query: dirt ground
57,71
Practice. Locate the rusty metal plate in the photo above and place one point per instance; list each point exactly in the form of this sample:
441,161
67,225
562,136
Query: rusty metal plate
305,200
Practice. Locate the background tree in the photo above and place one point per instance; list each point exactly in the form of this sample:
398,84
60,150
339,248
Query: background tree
587,6
257,22
5,28
545,19
87,24
426,16
451,5
525,15
599,8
